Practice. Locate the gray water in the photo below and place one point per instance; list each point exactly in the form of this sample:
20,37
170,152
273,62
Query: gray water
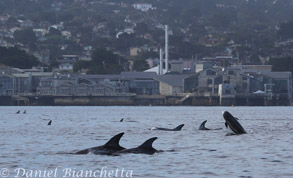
28,144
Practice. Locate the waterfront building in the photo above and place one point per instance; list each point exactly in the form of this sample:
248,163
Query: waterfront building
6,84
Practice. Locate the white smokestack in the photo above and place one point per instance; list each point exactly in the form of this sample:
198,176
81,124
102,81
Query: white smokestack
166,48
161,62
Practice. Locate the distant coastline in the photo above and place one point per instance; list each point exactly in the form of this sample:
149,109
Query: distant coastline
138,100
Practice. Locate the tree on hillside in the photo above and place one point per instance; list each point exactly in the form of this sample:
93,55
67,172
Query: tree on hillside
141,28
286,30
140,65
282,64
255,60
102,56
223,18
79,65
190,15
26,36
12,21
53,32
143,55
15,57
49,16
103,62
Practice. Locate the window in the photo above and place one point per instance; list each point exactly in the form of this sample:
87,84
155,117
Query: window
281,86
210,81
230,72
210,72
1,85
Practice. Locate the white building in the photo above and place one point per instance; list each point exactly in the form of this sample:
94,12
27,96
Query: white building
66,67
145,7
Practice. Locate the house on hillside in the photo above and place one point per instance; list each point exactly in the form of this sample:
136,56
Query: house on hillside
145,7
66,62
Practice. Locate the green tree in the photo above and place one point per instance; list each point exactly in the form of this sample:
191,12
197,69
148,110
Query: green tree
12,21
223,18
54,32
141,28
53,64
103,62
15,57
73,48
140,65
48,16
54,52
54,40
255,60
79,65
282,64
190,15
26,36
286,30
102,56
143,55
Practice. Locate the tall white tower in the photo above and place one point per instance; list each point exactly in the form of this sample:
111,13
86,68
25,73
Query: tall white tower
161,62
166,48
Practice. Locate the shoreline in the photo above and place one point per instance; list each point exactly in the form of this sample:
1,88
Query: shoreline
139,100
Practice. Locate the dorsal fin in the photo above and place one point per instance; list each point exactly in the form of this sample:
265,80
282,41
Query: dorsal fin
148,145
114,141
179,127
202,125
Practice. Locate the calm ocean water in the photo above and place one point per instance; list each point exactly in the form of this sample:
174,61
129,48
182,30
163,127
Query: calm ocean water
28,144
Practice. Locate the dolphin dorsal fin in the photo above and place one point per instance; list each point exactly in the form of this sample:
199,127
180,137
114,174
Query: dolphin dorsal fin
148,145
179,127
202,125
114,141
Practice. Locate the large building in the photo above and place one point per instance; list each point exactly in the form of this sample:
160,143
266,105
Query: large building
211,82
6,84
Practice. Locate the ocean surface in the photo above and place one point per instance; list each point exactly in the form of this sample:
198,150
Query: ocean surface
31,148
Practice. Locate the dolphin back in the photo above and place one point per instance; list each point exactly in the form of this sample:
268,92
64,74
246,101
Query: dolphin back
145,148
107,149
202,126
148,145
114,141
50,122
179,127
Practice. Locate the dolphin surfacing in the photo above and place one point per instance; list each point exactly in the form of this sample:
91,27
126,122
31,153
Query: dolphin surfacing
108,148
232,123
202,126
50,122
145,148
178,128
